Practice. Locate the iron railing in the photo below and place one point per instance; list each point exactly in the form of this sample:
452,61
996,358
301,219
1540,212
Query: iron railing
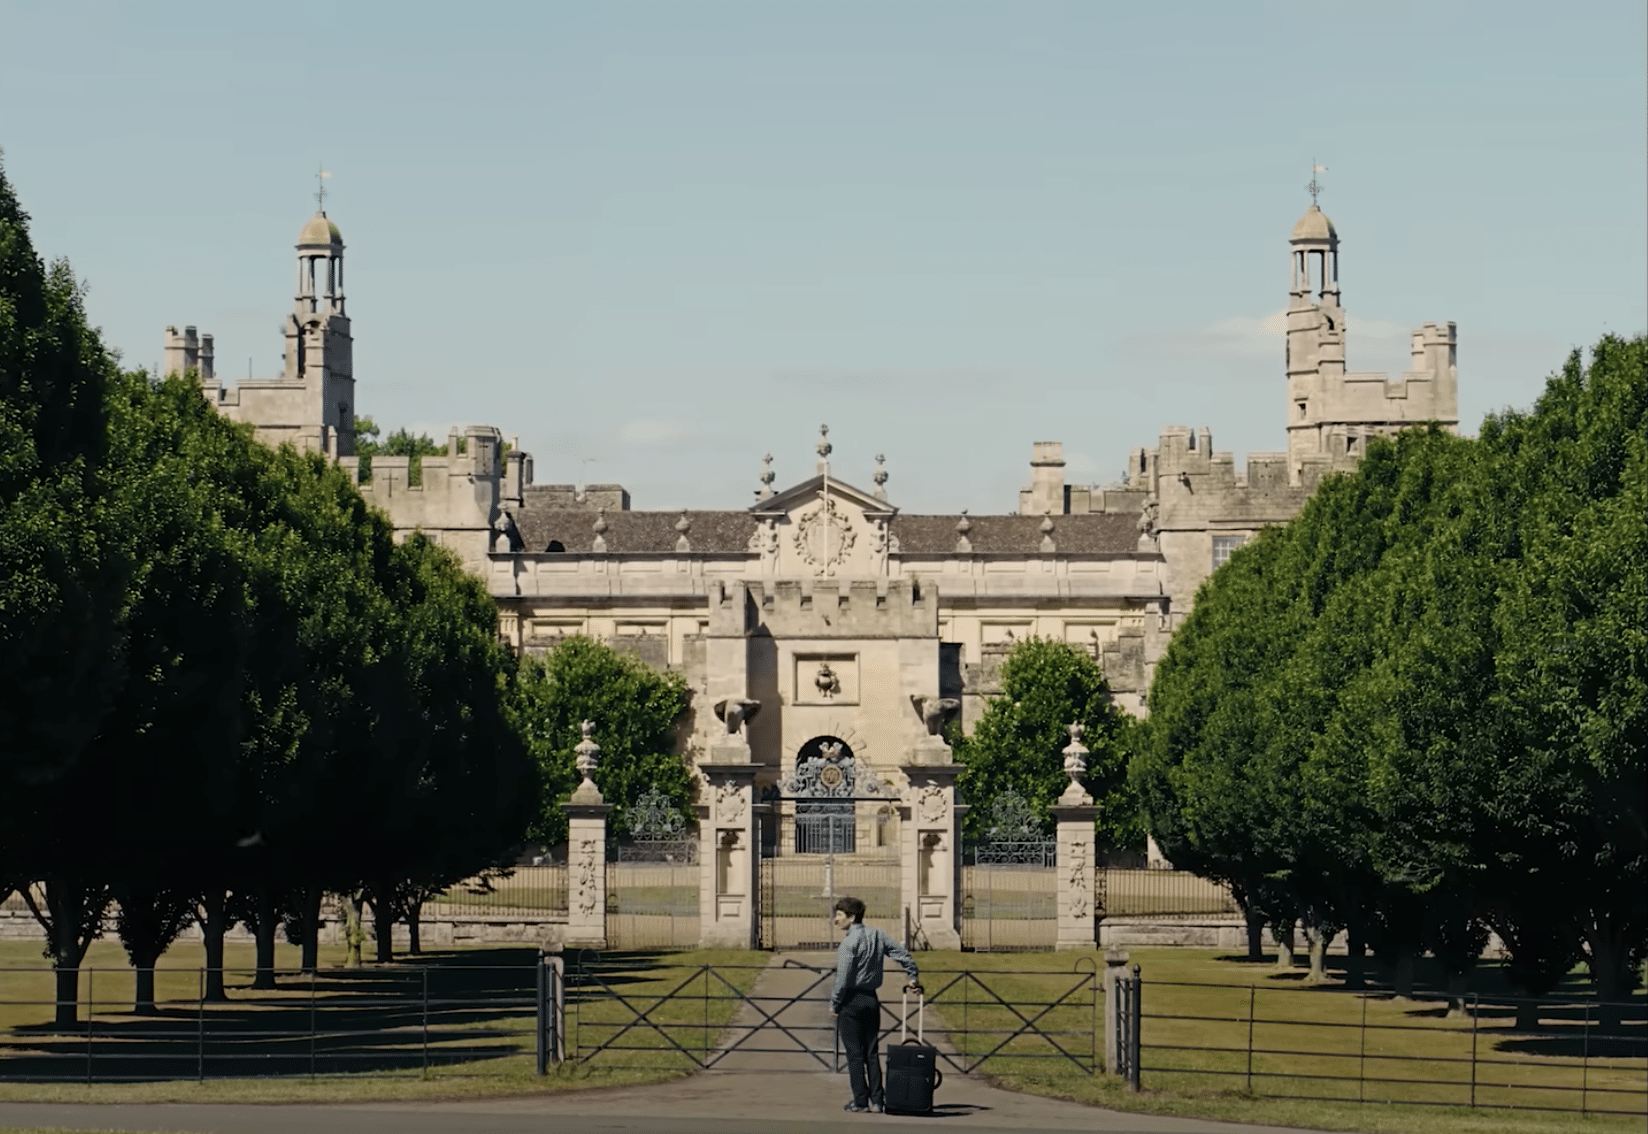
1334,1045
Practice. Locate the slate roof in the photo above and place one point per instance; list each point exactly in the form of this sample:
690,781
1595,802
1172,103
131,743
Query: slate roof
712,533
728,533
1102,534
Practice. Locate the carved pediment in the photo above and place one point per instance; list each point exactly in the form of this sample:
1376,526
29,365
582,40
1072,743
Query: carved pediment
826,530
807,493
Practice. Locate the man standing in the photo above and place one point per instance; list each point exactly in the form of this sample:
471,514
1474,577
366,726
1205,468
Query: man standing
858,964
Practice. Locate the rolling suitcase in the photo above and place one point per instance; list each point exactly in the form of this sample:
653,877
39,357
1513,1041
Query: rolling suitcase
912,1068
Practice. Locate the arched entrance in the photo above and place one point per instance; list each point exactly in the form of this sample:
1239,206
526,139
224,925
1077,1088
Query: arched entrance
825,814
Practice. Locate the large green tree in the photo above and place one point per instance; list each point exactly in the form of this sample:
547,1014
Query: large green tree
1047,685
636,711
1418,708
1568,799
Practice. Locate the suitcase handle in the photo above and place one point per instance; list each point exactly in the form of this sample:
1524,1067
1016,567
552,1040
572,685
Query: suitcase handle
904,1014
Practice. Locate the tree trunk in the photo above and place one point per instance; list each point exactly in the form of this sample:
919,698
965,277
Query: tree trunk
1456,996
1527,1015
353,935
68,997
267,919
414,912
1317,938
66,907
143,1004
1283,932
1355,958
309,920
211,932
1608,957
1402,975
383,923
1255,919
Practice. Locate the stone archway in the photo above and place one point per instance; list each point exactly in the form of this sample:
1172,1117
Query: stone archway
825,822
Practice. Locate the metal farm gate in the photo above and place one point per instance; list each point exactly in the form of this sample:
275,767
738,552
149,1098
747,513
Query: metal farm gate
1009,889
653,879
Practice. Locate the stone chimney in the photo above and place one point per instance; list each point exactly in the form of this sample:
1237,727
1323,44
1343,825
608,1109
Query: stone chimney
1046,492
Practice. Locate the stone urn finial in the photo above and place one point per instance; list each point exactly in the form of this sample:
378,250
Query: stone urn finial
1075,765
683,525
600,541
588,758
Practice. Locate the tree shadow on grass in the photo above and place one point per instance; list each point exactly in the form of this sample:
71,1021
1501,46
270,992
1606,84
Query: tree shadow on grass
435,1012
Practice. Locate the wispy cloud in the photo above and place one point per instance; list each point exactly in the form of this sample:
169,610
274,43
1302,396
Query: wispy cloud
1262,336
650,433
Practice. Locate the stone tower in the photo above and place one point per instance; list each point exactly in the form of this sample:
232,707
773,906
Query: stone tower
312,404
319,349
1331,411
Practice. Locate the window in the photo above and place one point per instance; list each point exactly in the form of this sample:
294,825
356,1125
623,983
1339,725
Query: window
1223,545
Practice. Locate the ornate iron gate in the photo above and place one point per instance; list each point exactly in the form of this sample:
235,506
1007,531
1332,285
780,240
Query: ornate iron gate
653,879
835,850
1010,889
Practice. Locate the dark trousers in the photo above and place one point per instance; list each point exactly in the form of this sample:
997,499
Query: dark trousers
859,1025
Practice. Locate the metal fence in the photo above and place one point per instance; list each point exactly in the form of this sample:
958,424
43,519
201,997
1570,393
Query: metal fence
798,895
716,1016
438,1019
1332,1045
1009,905
525,893
1161,893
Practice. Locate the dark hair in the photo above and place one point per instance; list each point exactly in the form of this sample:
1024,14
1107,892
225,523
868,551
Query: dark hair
852,907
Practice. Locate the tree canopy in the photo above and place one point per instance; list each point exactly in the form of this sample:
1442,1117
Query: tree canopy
1417,709
223,684
636,711
1047,685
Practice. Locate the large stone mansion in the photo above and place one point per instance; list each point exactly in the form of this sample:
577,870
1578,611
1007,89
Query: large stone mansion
823,600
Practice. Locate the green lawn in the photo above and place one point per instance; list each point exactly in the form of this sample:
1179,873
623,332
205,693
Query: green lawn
1321,1026
1197,1008
363,1034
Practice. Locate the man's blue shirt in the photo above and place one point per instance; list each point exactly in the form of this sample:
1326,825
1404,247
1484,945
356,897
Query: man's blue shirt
858,962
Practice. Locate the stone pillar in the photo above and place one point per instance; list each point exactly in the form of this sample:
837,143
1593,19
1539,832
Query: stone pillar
1074,813
587,852
729,855
930,826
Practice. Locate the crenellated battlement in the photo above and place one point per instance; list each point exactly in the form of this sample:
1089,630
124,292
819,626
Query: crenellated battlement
826,608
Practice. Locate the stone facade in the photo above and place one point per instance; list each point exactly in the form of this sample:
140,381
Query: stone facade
845,618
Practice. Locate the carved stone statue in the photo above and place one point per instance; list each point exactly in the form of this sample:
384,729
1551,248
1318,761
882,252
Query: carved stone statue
588,752
512,534
1075,753
1147,518
827,681
734,711
934,711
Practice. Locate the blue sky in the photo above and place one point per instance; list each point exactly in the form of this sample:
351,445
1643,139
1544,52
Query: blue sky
672,236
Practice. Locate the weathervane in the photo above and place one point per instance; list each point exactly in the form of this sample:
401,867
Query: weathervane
1313,187
321,174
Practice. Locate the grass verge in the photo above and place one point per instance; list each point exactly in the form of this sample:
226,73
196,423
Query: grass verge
1196,1023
